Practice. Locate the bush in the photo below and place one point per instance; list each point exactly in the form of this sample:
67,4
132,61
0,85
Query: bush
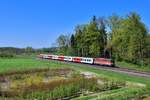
146,61
6,55
74,87
63,88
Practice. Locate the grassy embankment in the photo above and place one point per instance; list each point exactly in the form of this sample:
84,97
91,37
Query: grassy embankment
133,66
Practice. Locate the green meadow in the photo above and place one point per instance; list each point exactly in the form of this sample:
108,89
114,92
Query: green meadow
21,64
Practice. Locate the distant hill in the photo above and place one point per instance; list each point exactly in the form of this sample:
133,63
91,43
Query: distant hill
14,50
11,50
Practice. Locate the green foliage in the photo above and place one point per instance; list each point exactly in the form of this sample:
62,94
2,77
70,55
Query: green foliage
11,50
128,39
64,44
88,40
6,55
91,38
80,46
29,50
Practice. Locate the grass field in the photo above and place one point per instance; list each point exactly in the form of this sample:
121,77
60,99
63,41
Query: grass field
14,64
133,66
24,63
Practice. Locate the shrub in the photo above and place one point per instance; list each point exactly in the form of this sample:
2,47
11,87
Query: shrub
6,55
146,61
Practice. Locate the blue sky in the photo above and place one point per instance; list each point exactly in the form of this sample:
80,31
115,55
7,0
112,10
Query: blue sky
38,23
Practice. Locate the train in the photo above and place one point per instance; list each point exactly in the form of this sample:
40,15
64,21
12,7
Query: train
84,60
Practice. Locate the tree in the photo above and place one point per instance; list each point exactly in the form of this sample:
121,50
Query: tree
63,43
29,50
72,41
128,37
61,40
115,35
147,50
91,39
137,41
80,31
72,45
102,37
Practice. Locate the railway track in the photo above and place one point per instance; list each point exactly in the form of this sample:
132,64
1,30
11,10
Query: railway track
115,69
120,70
124,70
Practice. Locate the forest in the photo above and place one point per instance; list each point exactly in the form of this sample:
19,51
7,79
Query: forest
123,38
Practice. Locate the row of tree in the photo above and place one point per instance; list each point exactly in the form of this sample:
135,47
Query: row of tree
10,52
124,38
